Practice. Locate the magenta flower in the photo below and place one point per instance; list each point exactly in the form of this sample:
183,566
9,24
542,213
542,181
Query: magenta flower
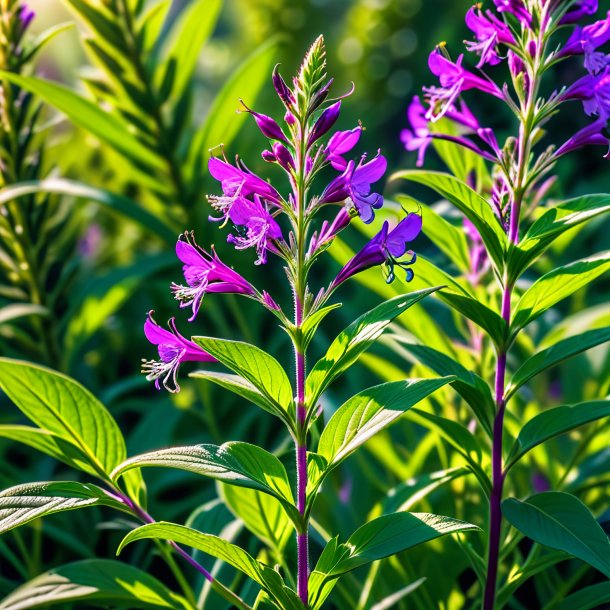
489,32
26,16
418,137
454,79
340,143
256,228
587,40
269,128
328,231
516,8
580,9
173,349
205,273
386,247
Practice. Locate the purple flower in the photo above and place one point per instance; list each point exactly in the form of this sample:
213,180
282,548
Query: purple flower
364,175
256,227
269,128
418,137
205,273
238,182
587,40
328,231
173,349
580,9
26,16
454,79
516,8
593,134
386,247
489,32
282,89
326,120
340,144
594,92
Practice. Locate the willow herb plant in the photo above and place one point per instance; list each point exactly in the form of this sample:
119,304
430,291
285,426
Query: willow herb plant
75,428
501,190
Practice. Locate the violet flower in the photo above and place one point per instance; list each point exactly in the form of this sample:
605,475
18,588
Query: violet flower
516,8
489,32
256,228
594,134
326,120
26,16
580,9
594,92
587,40
174,349
340,144
417,138
205,272
385,248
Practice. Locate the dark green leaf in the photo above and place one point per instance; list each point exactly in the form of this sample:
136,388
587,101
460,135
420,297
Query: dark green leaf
587,599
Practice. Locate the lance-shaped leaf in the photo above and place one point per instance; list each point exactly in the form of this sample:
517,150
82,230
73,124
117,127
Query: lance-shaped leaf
97,583
354,340
470,203
562,350
587,599
557,285
553,223
235,556
369,412
554,422
235,463
562,522
262,370
24,503
65,408
377,539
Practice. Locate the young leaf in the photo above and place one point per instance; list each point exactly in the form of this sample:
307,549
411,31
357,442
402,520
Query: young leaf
60,405
24,503
94,582
235,463
256,366
556,286
470,203
562,522
377,539
554,422
354,340
555,354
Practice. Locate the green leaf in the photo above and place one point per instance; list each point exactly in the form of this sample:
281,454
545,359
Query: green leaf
553,223
60,405
43,39
90,117
256,366
235,463
116,202
24,503
354,340
562,522
377,539
222,124
472,388
311,323
562,350
95,582
261,513
369,412
470,203
554,422
235,556
556,286
191,31
14,311
587,599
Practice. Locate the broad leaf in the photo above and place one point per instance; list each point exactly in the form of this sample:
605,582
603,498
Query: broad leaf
354,340
556,354
562,522
377,539
24,503
556,286
256,366
554,422
470,203
94,582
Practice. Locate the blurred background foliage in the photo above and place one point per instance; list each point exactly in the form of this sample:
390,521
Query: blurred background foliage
101,271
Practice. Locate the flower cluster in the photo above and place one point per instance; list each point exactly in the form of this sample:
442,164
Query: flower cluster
522,35
281,224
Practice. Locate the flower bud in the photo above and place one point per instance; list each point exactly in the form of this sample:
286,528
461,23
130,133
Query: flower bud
326,120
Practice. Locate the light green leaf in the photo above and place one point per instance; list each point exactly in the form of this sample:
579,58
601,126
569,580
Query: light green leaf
310,325
60,405
377,539
354,340
470,203
554,422
562,522
114,201
43,39
24,503
256,366
95,582
562,350
556,286
90,117
191,31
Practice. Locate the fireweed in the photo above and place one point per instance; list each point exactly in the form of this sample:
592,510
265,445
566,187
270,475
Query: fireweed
498,188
